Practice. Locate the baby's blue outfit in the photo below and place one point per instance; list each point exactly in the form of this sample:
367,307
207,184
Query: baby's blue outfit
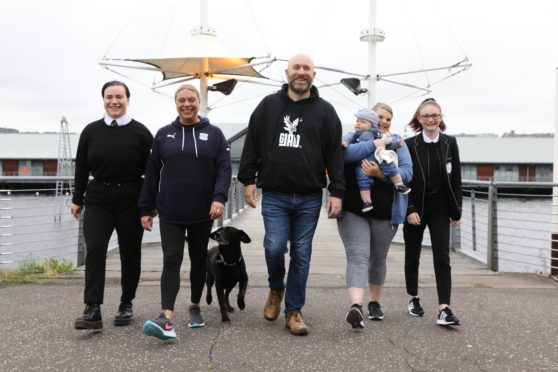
388,169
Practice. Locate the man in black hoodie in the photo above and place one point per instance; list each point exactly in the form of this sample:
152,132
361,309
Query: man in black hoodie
293,143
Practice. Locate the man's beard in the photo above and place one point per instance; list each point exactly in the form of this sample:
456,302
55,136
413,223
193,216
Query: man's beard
300,90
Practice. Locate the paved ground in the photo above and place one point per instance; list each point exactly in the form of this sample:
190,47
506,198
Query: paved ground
508,322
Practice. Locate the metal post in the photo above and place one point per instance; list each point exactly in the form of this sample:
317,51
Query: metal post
82,247
492,240
554,221
473,220
372,54
455,241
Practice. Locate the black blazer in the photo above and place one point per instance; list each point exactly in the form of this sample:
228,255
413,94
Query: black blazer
451,183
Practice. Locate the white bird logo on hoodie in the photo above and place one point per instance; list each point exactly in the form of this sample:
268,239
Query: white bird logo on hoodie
290,126
290,139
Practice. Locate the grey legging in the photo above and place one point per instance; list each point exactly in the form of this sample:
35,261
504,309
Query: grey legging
366,242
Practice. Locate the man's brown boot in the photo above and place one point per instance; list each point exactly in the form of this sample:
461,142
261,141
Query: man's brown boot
295,324
273,305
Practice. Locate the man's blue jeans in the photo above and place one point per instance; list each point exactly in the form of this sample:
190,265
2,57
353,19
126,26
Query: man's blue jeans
289,217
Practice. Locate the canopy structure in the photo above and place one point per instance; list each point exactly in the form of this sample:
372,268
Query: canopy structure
202,54
202,57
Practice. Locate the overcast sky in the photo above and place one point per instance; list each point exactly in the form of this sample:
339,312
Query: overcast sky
51,53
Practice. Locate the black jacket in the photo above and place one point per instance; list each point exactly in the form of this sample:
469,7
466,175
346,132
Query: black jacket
451,182
289,145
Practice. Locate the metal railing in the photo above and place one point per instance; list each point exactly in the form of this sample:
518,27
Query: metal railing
37,225
509,231
508,226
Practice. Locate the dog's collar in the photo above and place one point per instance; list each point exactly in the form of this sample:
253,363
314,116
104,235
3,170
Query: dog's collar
222,260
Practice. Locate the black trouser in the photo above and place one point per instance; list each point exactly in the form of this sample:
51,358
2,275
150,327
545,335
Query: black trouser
172,241
120,212
436,217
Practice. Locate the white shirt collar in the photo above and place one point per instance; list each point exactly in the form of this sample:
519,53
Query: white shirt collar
123,120
428,140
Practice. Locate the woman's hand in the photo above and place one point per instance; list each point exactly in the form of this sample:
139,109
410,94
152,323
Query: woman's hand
371,169
455,223
75,210
147,223
217,209
413,218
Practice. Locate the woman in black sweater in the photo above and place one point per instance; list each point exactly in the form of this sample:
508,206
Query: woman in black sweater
435,201
114,150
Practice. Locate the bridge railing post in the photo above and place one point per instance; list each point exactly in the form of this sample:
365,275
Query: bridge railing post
81,246
492,224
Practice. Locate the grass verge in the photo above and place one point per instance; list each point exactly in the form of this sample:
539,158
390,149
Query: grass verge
30,271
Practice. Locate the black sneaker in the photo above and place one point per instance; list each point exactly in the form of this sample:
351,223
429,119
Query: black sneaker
195,319
354,317
367,206
446,317
402,189
415,309
162,328
375,311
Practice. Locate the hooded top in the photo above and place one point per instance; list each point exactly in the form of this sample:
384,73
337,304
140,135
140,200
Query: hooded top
290,144
189,168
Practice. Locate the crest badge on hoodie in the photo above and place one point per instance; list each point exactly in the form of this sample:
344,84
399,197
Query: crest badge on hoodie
290,138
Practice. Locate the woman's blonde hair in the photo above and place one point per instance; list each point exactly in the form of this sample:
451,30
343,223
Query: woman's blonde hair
189,87
385,106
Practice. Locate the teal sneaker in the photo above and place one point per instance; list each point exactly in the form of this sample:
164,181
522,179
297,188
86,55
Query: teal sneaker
162,328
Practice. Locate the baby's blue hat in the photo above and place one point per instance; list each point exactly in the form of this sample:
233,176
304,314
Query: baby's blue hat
368,115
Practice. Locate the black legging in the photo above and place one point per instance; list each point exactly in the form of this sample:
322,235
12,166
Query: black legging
172,241
436,217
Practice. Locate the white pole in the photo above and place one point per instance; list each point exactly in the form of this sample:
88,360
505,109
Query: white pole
203,77
554,224
372,54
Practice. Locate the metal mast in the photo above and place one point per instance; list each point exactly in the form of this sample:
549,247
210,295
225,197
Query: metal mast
64,167
372,35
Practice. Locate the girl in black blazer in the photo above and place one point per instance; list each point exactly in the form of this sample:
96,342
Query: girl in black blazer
435,201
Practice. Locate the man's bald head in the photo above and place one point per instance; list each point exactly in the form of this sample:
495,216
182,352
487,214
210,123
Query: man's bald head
300,75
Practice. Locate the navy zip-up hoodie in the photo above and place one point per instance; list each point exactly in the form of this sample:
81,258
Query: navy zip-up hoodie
289,145
189,168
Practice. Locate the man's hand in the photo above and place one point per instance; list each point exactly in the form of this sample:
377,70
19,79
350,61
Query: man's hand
250,195
147,223
333,206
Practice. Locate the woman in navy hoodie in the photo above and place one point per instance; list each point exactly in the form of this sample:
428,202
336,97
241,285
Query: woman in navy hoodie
186,183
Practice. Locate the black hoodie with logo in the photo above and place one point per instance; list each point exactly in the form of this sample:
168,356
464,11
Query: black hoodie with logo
290,145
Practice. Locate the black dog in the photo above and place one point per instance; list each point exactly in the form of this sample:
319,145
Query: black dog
225,268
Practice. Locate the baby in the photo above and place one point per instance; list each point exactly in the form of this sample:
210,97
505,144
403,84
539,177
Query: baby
366,129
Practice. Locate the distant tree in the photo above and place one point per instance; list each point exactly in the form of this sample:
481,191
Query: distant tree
8,130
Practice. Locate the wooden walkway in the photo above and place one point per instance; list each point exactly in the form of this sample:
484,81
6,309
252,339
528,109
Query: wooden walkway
329,258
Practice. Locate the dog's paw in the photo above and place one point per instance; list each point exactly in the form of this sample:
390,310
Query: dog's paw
209,299
229,309
240,303
225,318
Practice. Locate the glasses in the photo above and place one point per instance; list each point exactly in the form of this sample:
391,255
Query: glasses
430,116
